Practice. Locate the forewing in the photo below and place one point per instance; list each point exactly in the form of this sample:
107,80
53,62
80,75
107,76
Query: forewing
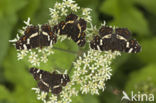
123,33
24,41
71,17
40,74
105,30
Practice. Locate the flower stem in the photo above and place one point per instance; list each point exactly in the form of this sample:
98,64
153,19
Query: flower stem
65,50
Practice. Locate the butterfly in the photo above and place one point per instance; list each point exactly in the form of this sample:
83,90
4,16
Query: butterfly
49,82
36,36
115,40
74,28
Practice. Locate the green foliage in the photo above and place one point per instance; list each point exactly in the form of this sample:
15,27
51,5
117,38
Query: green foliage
29,9
145,81
8,18
59,59
93,4
148,5
21,80
5,95
148,56
85,99
126,15
129,71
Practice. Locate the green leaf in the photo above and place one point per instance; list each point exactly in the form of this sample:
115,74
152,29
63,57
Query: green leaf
62,60
4,93
90,99
17,73
148,4
126,15
77,99
8,18
93,4
85,99
108,96
10,7
120,60
25,95
5,28
42,14
29,9
148,51
144,77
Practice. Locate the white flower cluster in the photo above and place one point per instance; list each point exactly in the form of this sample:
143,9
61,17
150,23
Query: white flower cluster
68,91
63,37
90,31
36,56
93,30
93,70
41,95
62,9
86,14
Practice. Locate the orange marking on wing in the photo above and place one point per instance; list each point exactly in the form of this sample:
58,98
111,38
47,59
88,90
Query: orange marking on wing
27,30
49,28
24,38
51,33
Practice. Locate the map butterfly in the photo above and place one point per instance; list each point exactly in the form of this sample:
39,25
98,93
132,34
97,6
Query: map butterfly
35,36
74,28
118,40
49,82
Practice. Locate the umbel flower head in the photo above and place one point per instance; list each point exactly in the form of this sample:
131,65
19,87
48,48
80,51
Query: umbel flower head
91,71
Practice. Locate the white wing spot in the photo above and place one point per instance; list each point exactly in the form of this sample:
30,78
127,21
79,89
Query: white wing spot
46,34
101,42
25,47
107,36
121,37
38,70
40,76
57,86
61,81
130,50
127,45
98,47
28,41
45,84
33,35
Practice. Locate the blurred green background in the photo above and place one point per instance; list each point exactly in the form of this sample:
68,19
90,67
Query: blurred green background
131,72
